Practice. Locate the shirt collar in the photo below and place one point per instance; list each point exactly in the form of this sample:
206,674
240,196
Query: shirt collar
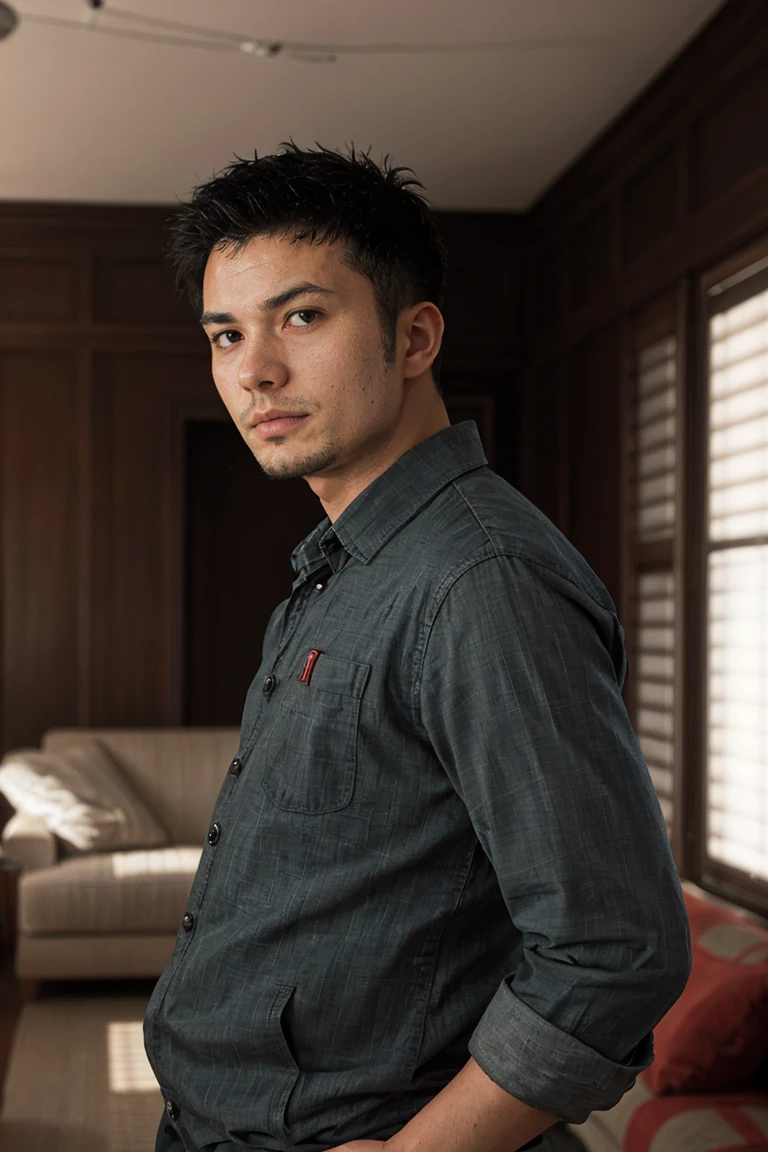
394,498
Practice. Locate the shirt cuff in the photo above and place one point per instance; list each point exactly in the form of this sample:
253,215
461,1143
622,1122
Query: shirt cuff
546,1068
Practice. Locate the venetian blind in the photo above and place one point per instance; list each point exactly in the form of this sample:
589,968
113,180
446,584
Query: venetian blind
654,441
737,673
653,435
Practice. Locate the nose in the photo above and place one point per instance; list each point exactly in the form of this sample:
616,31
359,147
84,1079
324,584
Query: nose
260,367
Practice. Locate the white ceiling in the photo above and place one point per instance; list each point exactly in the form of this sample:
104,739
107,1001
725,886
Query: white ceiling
87,117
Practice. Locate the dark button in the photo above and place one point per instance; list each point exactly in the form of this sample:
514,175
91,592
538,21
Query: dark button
236,766
172,1109
213,833
188,923
269,684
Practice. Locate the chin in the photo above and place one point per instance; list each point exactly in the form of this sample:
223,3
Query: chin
308,464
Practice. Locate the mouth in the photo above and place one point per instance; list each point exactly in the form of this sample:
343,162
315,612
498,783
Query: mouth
276,424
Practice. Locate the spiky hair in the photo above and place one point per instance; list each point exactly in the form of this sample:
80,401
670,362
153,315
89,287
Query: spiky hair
377,213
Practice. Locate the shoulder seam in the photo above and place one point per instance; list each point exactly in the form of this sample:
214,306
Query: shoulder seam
448,582
477,519
556,569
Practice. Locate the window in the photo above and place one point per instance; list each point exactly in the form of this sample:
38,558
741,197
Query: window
736,548
696,571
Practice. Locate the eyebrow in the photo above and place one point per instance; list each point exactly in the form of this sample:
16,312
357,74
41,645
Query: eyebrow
272,303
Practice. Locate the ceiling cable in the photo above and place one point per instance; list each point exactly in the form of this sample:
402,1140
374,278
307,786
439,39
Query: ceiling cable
100,19
357,49
126,33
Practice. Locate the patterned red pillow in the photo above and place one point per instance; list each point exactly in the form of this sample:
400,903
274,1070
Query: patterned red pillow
716,1036
736,1123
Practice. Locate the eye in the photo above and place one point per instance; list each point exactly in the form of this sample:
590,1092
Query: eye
225,339
303,318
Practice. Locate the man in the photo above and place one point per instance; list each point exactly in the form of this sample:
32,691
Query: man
437,909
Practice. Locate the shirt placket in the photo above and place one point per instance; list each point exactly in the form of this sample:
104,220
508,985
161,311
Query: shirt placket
310,584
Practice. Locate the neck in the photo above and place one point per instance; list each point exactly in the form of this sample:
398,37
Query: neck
337,491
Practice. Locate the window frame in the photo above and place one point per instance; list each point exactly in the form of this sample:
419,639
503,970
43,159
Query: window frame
684,312
664,318
732,276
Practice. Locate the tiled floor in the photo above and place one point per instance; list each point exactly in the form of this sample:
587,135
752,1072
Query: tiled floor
78,1080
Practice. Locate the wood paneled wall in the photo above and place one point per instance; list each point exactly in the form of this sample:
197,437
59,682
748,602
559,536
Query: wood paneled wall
96,352
675,185
102,366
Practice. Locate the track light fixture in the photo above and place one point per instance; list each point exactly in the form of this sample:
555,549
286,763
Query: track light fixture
121,22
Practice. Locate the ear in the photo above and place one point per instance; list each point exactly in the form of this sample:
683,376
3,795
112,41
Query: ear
422,328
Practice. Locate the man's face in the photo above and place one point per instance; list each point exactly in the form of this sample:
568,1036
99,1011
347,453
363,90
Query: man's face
298,357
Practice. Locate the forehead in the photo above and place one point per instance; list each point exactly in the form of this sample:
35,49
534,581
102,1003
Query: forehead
267,265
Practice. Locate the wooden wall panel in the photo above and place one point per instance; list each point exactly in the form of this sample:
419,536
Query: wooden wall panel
590,253
544,277
729,140
484,320
138,292
482,303
39,533
594,406
650,203
136,509
37,290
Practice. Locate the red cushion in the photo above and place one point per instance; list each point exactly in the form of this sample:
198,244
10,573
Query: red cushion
716,1036
737,1122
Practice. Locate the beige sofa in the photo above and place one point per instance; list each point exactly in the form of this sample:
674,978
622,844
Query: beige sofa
116,914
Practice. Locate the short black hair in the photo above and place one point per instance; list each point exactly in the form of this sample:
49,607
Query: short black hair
376,211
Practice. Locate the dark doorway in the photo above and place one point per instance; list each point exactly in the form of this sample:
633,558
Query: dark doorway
240,530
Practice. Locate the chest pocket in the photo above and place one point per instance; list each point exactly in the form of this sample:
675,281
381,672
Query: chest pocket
311,753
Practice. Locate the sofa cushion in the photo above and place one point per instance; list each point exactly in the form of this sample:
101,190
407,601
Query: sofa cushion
724,1123
143,891
177,771
82,797
716,1036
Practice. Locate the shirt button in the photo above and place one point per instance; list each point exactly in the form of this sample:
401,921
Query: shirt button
319,587
213,833
188,922
236,767
172,1109
269,684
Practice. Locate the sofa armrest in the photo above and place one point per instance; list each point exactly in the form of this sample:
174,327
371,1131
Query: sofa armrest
26,839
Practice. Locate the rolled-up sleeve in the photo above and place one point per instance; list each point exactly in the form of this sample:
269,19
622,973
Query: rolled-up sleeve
519,688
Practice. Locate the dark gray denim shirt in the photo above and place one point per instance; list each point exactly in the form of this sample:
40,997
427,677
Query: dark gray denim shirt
440,837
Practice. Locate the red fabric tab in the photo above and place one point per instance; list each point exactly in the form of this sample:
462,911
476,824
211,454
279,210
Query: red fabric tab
309,664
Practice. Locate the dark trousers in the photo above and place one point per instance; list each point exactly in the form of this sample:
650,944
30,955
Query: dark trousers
168,1139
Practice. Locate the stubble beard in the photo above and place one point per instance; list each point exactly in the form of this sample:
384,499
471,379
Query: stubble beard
308,465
